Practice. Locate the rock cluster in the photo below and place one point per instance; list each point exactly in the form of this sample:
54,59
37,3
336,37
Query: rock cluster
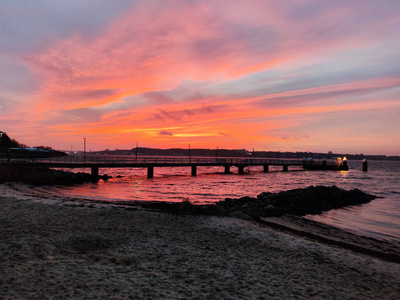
45,176
310,200
300,202
57,177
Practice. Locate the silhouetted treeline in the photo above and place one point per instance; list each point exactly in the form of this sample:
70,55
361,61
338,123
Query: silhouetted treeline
239,153
10,148
316,155
6,142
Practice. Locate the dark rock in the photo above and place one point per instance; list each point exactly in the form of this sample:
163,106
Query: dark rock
56,177
263,195
105,177
187,206
235,208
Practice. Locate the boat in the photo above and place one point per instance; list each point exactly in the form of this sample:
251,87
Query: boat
337,164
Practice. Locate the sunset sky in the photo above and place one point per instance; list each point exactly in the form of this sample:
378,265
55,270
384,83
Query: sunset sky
299,75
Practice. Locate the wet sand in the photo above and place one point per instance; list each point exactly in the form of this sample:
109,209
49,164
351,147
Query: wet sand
59,248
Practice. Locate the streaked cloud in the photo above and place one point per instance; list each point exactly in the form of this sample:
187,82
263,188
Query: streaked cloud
164,132
303,75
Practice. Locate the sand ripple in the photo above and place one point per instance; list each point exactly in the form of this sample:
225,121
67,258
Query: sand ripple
84,251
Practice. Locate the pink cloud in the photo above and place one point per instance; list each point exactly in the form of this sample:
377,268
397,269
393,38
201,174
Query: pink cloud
202,66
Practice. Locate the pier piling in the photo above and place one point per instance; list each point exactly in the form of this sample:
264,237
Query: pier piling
150,172
241,169
365,165
94,163
194,170
227,169
95,171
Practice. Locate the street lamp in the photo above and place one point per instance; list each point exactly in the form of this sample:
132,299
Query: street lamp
84,150
137,149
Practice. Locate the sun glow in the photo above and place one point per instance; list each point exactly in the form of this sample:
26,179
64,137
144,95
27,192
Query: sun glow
222,76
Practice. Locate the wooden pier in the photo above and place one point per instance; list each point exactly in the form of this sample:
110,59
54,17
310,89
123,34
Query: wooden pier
95,163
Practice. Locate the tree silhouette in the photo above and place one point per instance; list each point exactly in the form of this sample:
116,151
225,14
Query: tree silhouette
6,142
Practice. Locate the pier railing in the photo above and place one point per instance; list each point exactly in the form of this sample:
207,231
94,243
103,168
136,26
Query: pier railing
97,162
153,161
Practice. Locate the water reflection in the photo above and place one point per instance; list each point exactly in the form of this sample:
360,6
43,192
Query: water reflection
380,218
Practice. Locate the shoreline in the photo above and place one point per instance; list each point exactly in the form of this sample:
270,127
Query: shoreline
61,248
298,225
330,235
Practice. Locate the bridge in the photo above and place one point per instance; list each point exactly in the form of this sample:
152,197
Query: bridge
95,163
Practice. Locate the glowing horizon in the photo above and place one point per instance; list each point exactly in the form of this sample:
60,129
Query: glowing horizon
313,76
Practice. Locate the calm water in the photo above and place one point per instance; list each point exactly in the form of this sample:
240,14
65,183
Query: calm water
379,218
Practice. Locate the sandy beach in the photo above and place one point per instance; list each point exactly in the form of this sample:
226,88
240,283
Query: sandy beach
54,248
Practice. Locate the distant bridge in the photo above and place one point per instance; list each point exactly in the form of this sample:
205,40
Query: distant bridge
95,163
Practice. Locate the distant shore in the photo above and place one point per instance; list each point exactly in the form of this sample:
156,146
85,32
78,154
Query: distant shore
240,153
65,248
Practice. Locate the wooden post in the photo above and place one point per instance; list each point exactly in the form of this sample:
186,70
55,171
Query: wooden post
344,163
241,169
150,172
227,169
84,150
194,170
285,168
266,168
95,171
364,165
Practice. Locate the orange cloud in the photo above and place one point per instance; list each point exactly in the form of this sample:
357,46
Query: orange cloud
246,73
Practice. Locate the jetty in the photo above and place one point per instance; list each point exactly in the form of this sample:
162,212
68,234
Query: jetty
95,163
